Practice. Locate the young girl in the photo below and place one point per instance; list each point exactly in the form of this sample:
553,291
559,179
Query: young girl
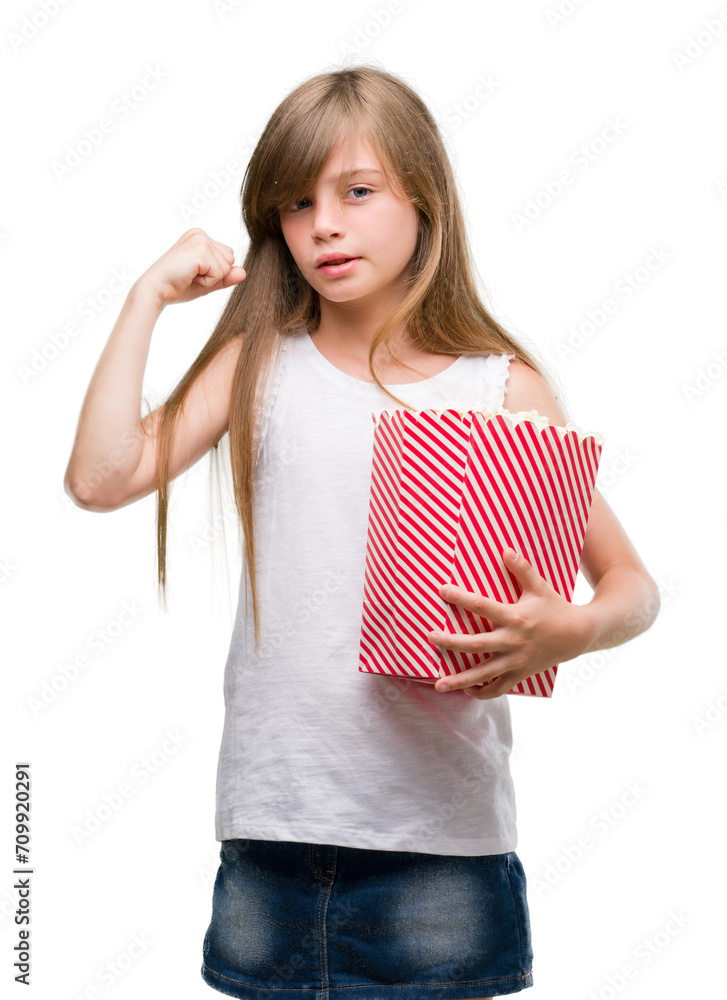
367,824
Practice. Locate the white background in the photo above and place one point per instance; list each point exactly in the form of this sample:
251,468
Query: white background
623,717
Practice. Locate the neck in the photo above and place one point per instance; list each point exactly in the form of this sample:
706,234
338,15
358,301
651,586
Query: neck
353,333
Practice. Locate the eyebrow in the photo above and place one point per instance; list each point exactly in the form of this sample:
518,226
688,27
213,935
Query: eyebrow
354,170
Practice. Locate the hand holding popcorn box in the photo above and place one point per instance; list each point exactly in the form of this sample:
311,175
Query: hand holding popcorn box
450,490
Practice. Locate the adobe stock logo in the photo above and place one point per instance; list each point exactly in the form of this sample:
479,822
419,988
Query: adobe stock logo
582,159
369,31
601,823
596,318
555,16
697,44
89,308
93,136
141,772
471,104
68,673
32,25
648,949
705,377
714,712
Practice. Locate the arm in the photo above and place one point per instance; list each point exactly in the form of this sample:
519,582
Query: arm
626,598
109,439
543,628
113,461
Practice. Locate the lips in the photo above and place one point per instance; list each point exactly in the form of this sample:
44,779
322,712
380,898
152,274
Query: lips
331,261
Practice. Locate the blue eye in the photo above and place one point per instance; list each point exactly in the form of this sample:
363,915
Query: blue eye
294,206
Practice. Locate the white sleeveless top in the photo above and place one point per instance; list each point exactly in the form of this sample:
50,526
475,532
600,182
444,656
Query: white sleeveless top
314,750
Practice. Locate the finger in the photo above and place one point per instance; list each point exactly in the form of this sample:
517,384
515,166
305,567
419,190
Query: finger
467,678
217,267
201,238
500,685
493,688
463,643
227,252
231,273
223,259
235,275
485,607
483,693
524,572
498,640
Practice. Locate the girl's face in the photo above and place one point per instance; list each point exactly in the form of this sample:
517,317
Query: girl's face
353,215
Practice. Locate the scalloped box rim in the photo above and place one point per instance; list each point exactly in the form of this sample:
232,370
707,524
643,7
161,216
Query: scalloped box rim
521,416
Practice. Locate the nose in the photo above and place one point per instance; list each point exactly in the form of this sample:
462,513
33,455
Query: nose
326,219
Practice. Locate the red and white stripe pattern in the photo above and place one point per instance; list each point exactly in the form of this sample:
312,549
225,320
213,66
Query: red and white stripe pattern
449,491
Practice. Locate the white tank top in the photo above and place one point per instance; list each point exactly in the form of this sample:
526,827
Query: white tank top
314,750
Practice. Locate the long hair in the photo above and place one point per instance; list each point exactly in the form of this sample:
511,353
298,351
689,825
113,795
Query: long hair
440,310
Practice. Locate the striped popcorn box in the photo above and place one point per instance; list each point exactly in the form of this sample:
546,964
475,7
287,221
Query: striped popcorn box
450,490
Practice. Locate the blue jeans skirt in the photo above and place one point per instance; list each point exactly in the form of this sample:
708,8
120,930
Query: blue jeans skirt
295,921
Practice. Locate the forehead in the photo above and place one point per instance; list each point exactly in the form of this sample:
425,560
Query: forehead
356,160
351,154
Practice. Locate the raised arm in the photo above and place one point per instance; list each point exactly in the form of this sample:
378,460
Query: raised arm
113,460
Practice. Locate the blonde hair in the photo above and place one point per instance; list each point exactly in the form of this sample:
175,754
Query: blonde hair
441,310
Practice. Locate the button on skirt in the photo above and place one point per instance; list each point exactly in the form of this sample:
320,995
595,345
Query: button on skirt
297,921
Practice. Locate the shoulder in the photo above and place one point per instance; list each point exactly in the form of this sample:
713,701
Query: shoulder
528,390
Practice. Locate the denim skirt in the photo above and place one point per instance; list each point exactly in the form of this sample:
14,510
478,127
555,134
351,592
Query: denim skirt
296,921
